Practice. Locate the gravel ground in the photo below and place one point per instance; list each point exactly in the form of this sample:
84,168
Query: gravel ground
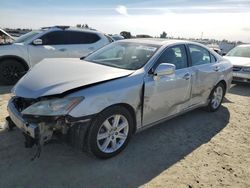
198,149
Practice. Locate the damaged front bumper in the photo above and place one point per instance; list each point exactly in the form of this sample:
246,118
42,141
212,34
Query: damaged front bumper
30,129
38,130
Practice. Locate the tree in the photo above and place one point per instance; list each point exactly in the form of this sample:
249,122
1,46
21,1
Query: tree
126,34
163,35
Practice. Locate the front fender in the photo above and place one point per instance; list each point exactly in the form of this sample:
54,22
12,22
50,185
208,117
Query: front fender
15,51
101,96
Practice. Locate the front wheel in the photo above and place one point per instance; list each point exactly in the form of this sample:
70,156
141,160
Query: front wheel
216,97
110,132
11,71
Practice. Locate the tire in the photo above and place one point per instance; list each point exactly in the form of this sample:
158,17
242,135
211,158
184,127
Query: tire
11,71
76,136
114,140
216,98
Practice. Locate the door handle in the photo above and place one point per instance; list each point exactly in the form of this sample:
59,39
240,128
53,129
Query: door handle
63,49
187,76
217,68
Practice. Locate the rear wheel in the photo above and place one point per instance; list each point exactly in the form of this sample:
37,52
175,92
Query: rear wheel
11,71
110,132
216,97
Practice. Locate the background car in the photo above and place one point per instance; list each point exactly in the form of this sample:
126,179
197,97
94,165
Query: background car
217,50
49,42
117,37
240,58
117,91
5,38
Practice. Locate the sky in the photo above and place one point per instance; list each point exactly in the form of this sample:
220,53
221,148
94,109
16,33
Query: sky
218,19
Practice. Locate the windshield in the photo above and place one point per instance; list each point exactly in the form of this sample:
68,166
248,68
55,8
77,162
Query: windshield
240,51
27,36
125,55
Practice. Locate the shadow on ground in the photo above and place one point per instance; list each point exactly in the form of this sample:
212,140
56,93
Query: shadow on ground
148,154
242,89
5,89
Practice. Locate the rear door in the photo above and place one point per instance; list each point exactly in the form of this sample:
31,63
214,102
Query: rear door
54,46
206,73
170,94
81,43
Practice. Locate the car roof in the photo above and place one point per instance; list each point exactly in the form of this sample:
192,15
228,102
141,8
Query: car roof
68,28
82,29
158,41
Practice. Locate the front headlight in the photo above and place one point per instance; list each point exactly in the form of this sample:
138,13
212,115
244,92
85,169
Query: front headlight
246,69
53,107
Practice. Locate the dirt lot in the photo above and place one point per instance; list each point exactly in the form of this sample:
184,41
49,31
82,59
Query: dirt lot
198,149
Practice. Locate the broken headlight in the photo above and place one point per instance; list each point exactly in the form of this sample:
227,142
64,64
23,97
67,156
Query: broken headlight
53,107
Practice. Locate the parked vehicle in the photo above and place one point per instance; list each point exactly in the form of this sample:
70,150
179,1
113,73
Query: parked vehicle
240,58
116,37
5,38
120,89
50,42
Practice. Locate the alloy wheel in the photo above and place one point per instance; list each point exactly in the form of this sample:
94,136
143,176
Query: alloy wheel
112,133
217,97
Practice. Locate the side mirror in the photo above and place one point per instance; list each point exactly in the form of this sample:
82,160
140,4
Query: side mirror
37,42
164,69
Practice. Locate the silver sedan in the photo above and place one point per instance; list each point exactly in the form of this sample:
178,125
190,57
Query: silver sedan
100,101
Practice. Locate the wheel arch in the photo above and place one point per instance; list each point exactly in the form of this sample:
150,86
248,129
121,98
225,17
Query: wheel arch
17,58
224,84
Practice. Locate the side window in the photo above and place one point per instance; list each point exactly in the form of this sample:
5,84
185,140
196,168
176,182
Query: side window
213,58
55,38
199,55
76,37
175,55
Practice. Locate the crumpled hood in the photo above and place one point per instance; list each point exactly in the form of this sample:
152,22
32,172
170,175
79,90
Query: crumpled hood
56,76
239,61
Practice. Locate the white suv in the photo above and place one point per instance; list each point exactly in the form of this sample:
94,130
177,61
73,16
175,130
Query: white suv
50,42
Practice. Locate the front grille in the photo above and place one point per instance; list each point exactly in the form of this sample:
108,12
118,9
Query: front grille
22,103
237,68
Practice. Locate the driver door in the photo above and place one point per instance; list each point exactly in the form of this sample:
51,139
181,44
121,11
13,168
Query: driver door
169,94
